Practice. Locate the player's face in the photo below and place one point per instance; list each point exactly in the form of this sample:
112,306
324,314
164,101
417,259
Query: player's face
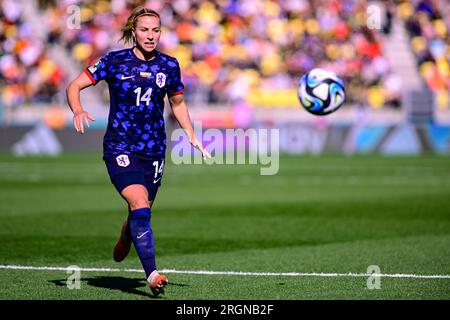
147,32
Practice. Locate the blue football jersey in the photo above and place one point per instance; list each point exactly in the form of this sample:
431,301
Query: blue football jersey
137,89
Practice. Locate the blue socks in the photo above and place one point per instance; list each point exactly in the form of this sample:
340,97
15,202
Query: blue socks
142,236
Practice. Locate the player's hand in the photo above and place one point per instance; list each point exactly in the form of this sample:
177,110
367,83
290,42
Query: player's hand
79,118
197,144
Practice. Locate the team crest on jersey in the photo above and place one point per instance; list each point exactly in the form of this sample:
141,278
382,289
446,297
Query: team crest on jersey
160,79
93,68
123,160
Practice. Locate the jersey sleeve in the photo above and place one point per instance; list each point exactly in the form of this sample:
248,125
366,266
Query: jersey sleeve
174,83
99,70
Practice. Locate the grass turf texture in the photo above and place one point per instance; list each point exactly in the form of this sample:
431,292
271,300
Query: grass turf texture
331,214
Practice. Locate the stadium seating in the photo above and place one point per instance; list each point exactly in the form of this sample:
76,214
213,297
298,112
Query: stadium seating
228,50
427,23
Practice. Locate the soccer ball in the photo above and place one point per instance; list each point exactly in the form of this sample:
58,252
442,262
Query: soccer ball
321,92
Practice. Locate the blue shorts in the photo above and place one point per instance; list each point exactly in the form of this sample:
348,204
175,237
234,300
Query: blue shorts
128,169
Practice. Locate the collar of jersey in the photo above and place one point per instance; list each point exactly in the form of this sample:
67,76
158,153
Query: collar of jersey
151,60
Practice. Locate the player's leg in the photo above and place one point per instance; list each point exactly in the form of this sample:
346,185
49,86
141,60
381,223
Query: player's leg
126,226
132,182
124,171
136,196
123,246
141,232
153,174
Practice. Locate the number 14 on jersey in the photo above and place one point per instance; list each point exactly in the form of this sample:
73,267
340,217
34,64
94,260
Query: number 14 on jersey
146,97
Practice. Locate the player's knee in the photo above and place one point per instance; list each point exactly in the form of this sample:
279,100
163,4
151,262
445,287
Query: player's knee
138,203
136,196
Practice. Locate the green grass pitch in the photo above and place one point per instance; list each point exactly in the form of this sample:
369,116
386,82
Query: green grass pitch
324,214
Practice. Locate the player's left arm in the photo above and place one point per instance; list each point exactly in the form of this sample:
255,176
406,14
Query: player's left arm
181,113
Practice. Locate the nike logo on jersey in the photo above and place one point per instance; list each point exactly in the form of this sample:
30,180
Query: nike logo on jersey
156,180
124,78
142,234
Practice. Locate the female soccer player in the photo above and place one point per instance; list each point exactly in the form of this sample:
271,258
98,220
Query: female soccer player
134,144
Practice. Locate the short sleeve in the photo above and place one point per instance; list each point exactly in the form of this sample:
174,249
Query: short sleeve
99,70
174,83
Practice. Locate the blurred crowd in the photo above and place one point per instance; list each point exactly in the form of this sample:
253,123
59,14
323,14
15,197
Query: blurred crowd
428,23
229,50
27,73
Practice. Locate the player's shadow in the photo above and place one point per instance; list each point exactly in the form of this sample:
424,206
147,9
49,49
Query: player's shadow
126,285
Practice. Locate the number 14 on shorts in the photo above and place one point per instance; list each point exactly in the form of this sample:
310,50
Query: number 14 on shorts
159,168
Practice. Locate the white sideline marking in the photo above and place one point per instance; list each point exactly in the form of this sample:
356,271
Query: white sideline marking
236,273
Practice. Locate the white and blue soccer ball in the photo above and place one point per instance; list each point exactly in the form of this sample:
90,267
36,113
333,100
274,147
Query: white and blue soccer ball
321,91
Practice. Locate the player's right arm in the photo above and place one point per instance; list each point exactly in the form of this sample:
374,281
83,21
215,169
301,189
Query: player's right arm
80,116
